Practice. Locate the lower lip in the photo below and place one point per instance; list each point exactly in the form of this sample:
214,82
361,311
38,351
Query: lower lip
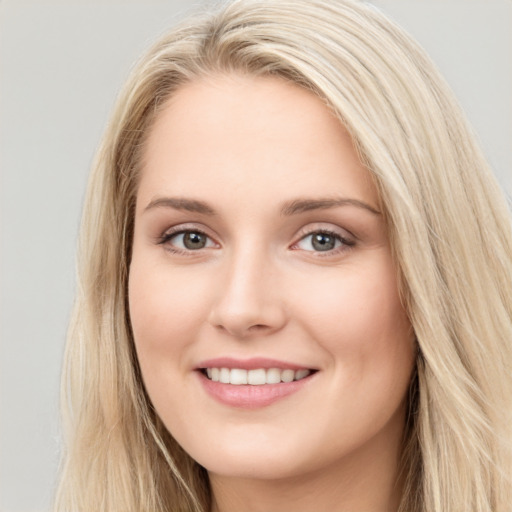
246,396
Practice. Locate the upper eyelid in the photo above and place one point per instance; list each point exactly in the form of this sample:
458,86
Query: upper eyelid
183,228
346,241
165,241
171,232
319,228
303,232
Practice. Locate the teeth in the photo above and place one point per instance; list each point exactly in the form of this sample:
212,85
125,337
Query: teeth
224,375
237,376
273,376
258,377
300,374
287,375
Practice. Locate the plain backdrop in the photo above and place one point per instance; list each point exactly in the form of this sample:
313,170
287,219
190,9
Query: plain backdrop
61,64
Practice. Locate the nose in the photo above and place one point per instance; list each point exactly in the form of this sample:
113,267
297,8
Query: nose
248,302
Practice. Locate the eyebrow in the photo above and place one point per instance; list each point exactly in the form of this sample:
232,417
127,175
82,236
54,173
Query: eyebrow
289,208
305,205
181,203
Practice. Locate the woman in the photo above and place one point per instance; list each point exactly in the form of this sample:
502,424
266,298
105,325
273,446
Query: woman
294,280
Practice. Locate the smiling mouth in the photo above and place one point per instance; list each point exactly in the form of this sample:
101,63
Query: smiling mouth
256,377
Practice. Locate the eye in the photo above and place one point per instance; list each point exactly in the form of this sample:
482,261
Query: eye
187,240
322,241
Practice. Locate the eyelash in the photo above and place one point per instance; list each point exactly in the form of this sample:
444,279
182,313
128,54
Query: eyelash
346,244
167,236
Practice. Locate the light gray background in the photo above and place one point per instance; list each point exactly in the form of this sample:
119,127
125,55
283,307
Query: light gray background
61,65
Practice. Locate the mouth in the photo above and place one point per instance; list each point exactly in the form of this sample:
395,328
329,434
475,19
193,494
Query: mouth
253,383
254,377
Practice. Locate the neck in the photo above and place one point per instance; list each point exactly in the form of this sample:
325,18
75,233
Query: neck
366,480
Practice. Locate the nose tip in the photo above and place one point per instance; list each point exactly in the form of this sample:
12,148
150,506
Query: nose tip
247,304
242,325
243,319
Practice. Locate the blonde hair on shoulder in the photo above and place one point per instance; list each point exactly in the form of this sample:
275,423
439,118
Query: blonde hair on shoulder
449,225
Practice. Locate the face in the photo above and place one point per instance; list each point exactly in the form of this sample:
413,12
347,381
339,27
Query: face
263,295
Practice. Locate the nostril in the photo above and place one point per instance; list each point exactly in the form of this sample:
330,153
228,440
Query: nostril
242,318
258,327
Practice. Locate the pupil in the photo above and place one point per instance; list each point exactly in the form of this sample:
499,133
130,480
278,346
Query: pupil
323,242
194,240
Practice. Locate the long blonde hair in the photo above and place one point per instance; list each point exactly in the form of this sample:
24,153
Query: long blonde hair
449,227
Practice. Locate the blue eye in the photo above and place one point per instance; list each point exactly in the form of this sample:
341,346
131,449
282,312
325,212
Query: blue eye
322,241
188,240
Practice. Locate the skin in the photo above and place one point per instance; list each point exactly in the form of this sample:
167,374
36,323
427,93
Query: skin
260,288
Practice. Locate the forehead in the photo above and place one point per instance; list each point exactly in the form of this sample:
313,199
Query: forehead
254,135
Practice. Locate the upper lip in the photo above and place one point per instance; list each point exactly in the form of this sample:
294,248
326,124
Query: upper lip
253,363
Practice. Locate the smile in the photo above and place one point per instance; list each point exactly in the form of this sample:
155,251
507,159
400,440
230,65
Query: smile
256,377
253,383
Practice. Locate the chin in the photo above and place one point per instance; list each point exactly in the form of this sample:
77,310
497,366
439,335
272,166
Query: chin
258,456
261,468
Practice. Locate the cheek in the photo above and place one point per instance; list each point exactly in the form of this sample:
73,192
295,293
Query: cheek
364,331
165,310
359,321
354,303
